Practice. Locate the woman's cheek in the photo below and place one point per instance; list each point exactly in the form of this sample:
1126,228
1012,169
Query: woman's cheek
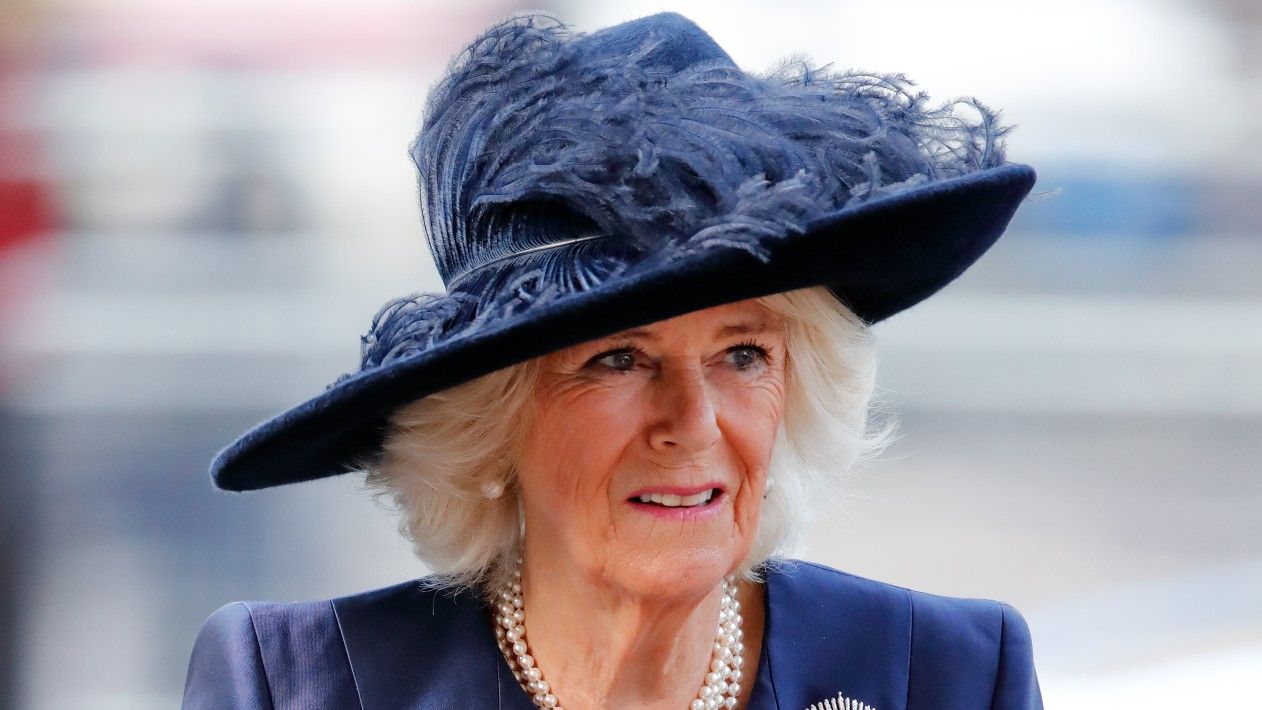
744,510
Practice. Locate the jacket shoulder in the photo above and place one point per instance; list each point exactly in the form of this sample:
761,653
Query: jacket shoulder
225,669
969,648
941,613
264,654
977,652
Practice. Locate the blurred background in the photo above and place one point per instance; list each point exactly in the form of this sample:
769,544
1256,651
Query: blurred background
203,204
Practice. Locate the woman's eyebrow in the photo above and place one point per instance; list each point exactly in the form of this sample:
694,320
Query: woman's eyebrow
744,327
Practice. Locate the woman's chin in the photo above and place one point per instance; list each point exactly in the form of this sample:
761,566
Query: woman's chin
683,572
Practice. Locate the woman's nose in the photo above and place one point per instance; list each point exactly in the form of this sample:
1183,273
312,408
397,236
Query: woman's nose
685,417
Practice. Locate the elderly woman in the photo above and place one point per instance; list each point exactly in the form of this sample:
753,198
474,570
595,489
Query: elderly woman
651,362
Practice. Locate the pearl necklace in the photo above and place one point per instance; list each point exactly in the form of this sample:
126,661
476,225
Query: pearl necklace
720,689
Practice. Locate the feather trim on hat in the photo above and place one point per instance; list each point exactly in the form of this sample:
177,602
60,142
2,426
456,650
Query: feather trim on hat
529,140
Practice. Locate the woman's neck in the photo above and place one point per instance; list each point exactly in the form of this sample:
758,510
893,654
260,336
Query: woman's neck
600,647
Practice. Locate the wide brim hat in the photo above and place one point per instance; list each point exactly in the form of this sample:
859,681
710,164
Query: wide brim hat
574,185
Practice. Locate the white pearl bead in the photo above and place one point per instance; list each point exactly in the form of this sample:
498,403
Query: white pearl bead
729,702
533,673
519,647
526,660
697,704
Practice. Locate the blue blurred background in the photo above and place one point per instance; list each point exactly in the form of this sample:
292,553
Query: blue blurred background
203,204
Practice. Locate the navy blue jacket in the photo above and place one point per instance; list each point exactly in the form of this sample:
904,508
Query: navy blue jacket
827,633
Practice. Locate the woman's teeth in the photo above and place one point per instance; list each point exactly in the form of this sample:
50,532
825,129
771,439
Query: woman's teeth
670,500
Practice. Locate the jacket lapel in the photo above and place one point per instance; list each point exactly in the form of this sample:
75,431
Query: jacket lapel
411,647
827,633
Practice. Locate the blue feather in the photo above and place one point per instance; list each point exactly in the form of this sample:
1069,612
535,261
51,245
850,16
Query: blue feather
530,139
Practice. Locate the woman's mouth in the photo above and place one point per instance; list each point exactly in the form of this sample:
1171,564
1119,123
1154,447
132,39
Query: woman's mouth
680,504
672,500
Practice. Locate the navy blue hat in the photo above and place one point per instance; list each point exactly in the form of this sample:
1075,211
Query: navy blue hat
574,185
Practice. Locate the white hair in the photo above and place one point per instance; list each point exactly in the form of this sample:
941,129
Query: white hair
446,455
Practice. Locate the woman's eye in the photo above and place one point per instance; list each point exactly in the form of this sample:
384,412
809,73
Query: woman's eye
748,355
622,359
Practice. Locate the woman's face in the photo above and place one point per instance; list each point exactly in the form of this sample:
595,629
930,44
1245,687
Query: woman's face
645,459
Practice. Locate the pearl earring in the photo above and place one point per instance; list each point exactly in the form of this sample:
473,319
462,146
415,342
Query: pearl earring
492,489
771,481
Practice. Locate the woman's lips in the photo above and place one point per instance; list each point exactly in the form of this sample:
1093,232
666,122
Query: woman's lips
681,491
678,503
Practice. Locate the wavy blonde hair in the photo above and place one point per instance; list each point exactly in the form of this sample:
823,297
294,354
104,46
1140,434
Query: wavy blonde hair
446,455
